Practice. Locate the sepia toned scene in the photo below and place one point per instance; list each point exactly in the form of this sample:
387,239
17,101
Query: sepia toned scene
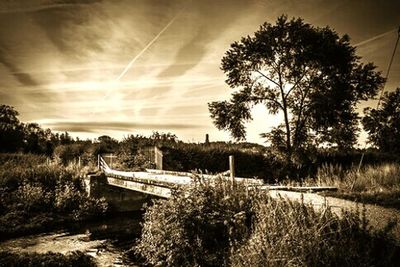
199,133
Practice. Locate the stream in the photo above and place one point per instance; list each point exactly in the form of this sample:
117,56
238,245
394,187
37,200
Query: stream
105,240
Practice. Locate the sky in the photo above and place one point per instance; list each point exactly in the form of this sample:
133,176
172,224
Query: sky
123,67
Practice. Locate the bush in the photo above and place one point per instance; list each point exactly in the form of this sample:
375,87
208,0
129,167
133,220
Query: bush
68,153
90,208
220,225
67,197
33,197
198,229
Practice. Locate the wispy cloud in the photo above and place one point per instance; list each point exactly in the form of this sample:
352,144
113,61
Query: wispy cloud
59,58
23,6
23,77
88,126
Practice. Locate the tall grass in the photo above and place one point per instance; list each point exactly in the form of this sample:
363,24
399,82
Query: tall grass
229,225
379,178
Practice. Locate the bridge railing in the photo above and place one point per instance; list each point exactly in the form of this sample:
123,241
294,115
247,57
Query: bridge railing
169,179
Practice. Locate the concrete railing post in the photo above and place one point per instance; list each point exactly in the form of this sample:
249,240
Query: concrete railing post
232,168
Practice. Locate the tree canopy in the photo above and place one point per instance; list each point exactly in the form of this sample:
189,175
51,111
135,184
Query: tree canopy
17,136
311,75
383,124
11,129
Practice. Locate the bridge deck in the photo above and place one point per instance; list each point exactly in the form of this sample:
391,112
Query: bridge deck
159,182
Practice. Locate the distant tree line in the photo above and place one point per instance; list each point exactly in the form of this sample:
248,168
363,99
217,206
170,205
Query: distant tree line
16,136
251,159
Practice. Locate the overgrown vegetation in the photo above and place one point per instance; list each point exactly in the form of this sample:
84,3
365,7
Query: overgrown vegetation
375,184
225,225
49,259
37,195
252,160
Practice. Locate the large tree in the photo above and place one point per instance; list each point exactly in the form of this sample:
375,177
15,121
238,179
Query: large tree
11,130
309,74
383,123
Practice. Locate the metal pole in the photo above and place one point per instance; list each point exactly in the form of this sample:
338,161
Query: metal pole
232,168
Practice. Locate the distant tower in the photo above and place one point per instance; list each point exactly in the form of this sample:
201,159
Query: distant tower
207,139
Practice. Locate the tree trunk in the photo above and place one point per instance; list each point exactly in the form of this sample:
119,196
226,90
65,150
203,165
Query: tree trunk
287,125
288,139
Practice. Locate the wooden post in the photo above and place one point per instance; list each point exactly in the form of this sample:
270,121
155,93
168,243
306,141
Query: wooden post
232,168
98,161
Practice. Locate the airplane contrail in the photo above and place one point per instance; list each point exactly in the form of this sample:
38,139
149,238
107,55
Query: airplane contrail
140,54
147,47
374,38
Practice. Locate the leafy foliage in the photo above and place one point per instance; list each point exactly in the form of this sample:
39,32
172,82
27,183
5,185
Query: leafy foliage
383,124
196,228
16,136
11,130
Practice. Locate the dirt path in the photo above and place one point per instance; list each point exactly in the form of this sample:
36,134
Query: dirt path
377,216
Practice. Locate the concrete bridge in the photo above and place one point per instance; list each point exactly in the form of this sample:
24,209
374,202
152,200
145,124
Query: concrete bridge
130,190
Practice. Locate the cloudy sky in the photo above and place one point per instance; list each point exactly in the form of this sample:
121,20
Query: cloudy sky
119,67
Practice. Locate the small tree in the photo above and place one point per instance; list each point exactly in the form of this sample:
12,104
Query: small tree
309,74
37,140
383,124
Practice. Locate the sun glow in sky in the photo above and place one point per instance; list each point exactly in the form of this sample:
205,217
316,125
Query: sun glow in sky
133,66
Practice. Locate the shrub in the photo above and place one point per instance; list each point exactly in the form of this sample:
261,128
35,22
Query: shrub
67,197
90,208
70,153
195,229
33,197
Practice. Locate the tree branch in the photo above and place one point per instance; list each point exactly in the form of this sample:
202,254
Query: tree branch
266,77
296,83
267,98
